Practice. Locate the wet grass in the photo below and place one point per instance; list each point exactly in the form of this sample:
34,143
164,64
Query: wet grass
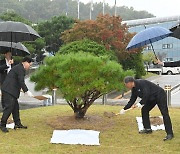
148,75
118,134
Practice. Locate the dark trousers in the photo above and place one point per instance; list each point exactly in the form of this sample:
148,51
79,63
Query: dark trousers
161,101
11,105
2,103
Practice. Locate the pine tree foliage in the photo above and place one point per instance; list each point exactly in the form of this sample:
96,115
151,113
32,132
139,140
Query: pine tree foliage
81,78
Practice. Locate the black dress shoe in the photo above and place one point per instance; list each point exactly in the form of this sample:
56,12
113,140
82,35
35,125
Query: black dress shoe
20,126
146,131
4,129
168,137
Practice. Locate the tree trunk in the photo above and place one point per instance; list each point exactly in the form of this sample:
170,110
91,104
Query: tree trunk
88,100
79,113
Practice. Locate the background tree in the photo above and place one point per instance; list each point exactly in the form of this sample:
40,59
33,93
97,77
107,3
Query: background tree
37,48
135,62
42,10
81,78
86,45
110,32
12,16
130,14
106,30
148,58
51,31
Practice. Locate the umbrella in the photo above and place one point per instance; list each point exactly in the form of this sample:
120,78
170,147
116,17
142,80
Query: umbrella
17,49
17,32
148,36
176,31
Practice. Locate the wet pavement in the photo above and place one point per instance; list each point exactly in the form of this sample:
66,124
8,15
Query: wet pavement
163,80
173,81
175,98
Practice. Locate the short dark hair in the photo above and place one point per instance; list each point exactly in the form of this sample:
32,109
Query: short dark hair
128,79
6,51
27,59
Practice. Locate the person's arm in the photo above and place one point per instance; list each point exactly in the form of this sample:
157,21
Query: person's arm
174,64
132,100
169,64
159,62
178,63
21,75
3,67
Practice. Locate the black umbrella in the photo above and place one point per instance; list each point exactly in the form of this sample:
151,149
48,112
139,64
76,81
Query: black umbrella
17,49
176,31
17,32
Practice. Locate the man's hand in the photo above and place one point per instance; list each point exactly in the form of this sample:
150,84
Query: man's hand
122,111
29,94
160,62
11,61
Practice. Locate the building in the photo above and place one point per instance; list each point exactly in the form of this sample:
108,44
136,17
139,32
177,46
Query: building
168,48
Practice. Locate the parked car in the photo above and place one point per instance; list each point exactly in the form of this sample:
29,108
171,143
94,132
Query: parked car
170,70
165,70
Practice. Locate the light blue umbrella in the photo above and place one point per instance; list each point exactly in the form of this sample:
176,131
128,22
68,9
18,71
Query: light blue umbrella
148,36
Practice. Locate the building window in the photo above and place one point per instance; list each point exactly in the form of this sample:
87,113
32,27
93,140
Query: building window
167,46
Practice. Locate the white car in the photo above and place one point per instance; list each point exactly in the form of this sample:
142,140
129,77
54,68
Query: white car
170,70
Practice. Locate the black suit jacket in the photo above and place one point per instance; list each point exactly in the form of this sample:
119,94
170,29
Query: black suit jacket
3,70
15,81
172,64
144,89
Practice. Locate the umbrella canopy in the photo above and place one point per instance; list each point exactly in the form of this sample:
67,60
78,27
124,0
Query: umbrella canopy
176,31
18,49
148,36
17,32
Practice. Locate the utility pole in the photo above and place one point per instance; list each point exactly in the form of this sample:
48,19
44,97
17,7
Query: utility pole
91,9
103,6
115,9
67,7
78,8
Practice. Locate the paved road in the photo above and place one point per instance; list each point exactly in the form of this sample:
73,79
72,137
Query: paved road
175,98
162,80
31,86
172,80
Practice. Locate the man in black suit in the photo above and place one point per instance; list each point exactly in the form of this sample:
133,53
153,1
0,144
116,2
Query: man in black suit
11,87
151,95
5,66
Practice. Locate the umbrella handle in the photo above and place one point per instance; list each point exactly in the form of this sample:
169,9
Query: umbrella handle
153,50
152,46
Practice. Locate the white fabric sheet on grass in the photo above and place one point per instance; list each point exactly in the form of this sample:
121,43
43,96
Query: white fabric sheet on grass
76,136
11,125
140,125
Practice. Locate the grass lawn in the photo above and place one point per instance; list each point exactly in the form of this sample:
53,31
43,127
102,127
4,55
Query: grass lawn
118,134
148,75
